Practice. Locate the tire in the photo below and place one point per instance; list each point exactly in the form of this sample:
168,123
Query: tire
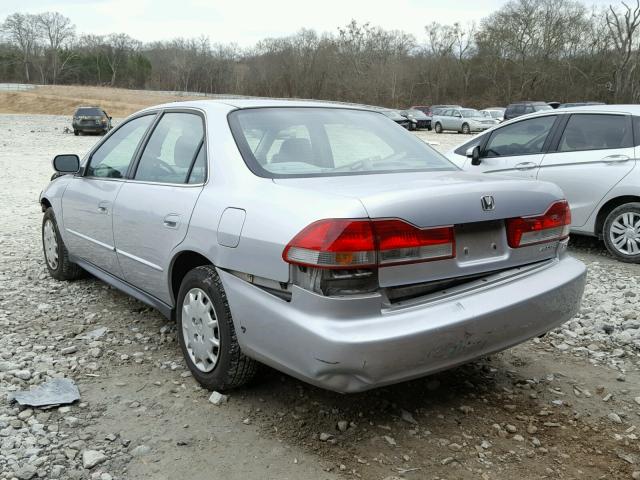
619,225
465,129
438,127
231,367
76,132
62,268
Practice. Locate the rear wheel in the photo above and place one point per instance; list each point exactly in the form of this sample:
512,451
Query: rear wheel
207,335
621,232
55,253
466,129
438,127
75,132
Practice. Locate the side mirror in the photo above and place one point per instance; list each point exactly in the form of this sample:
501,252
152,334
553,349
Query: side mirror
474,154
66,163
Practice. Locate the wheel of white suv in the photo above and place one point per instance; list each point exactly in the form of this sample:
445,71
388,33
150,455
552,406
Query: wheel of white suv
621,232
55,253
438,127
465,128
206,333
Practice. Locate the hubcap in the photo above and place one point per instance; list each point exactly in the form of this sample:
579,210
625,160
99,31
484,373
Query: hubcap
625,233
200,330
50,244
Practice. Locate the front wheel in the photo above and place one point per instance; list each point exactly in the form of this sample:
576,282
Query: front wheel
621,232
465,128
76,133
206,333
438,128
55,253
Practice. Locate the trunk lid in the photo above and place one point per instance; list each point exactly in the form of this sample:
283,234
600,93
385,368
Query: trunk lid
431,199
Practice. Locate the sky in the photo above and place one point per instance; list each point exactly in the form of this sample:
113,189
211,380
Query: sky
245,22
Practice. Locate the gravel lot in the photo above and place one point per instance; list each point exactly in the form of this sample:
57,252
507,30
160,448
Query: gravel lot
565,406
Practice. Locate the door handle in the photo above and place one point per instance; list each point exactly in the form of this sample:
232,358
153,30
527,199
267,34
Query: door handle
526,166
616,158
103,207
171,221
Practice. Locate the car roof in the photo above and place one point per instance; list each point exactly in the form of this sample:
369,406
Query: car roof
232,103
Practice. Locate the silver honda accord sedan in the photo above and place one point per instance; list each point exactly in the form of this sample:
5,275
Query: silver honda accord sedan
321,239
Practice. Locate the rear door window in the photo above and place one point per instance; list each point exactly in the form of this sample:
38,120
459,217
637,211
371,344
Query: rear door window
520,138
596,132
171,149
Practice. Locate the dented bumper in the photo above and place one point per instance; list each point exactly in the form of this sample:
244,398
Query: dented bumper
355,344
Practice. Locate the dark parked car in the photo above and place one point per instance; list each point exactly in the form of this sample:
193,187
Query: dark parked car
395,115
426,109
91,120
522,108
422,119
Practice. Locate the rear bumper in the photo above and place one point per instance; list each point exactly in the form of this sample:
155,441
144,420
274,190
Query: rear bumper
351,345
90,128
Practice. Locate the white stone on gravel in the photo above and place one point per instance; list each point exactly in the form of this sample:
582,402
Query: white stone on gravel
218,398
91,458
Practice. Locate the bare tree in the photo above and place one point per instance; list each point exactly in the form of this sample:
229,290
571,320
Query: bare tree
118,45
622,27
22,30
56,29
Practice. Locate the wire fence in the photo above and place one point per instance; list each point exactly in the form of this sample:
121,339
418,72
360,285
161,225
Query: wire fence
16,87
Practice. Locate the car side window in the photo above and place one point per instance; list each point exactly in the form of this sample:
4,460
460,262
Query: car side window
112,158
520,138
171,149
596,132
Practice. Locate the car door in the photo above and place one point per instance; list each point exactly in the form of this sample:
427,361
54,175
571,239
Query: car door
447,119
516,149
153,208
87,203
593,154
457,120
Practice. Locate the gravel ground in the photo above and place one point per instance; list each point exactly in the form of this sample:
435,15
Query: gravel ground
565,406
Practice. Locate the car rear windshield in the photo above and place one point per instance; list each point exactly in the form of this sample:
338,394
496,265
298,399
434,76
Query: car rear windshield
318,142
92,112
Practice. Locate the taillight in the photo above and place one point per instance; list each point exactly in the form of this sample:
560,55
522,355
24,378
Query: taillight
333,244
552,225
401,242
357,243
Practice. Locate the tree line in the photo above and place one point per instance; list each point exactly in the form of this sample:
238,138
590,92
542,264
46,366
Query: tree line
560,50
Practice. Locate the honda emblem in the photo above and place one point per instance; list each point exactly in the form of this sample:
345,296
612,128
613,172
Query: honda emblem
487,203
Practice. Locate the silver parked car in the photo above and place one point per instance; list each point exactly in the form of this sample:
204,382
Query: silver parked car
590,152
495,113
462,120
319,239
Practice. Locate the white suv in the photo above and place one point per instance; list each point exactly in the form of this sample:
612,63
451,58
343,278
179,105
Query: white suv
590,152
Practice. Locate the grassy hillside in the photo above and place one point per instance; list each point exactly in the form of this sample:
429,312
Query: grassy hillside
63,100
